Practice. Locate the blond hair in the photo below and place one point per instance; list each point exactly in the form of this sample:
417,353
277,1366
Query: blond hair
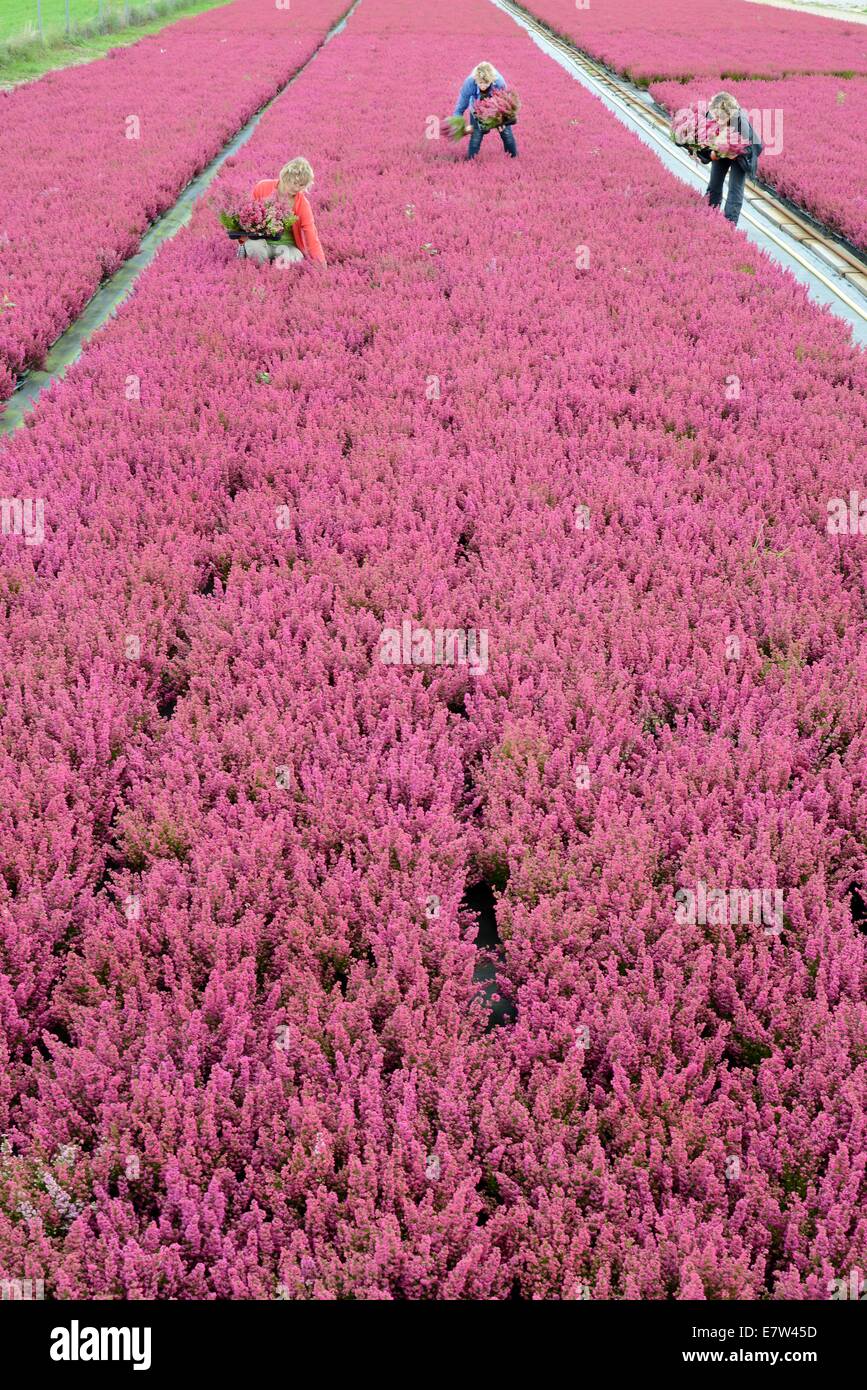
484,73
297,174
725,104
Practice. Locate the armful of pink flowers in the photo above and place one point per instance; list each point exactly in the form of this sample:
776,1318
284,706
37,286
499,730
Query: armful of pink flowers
269,219
694,129
492,112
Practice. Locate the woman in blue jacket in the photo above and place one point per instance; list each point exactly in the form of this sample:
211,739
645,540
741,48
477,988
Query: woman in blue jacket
478,84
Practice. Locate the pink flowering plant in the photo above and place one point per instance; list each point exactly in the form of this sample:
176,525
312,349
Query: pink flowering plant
499,108
810,69
106,176
697,131
649,40
790,115
270,219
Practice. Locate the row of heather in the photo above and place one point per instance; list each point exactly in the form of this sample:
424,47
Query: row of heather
108,146
686,51
245,1055
651,40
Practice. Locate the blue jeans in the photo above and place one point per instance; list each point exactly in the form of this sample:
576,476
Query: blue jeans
477,135
734,200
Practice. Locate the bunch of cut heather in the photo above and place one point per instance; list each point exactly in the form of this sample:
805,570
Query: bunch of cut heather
729,143
266,219
697,131
454,127
498,109
693,129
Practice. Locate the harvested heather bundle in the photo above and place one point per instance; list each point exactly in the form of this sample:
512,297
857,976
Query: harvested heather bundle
498,109
266,219
693,129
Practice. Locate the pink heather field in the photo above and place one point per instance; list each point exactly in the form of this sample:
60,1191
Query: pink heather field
564,409
95,153
654,39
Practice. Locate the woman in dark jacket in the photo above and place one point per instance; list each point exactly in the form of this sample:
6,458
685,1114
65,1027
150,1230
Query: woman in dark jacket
725,109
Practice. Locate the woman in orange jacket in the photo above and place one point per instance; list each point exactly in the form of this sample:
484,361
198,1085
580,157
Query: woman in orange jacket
291,187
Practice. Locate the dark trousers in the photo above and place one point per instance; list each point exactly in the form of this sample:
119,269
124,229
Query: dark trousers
477,135
737,178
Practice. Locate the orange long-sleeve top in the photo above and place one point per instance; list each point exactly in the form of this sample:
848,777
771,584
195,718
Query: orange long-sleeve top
304,230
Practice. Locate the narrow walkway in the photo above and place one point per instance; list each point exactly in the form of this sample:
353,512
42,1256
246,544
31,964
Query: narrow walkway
109,296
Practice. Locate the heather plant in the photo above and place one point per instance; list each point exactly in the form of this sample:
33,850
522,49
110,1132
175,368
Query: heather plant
245,1048
257,217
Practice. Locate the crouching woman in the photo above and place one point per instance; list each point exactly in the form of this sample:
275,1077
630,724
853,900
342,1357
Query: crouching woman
291,186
